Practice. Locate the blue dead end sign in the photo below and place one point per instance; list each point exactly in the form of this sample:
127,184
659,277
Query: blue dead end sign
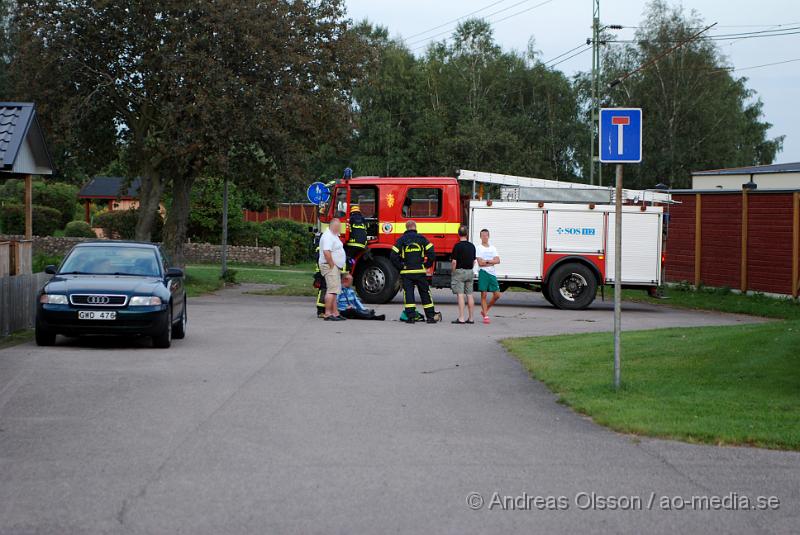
621,135
318,193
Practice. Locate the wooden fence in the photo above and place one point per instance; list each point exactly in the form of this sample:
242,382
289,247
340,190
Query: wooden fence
301,212
18,301
748,240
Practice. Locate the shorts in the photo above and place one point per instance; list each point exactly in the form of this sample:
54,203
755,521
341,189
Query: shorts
461,281
487,282
333,278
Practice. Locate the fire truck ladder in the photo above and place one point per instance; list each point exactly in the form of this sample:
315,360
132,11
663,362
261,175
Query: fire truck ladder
518,188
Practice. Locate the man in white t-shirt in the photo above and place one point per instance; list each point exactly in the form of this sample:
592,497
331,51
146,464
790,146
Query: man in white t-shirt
487,258
331,261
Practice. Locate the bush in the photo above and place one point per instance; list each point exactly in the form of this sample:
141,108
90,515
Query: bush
292,237
121,224
248,234
79,229
63,197
45,220
40,261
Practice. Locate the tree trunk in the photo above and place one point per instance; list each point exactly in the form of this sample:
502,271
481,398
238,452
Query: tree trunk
177,220
149,202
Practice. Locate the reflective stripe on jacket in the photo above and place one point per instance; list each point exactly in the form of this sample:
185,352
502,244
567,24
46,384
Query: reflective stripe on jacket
412,253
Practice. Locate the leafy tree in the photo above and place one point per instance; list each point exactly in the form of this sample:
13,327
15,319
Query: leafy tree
185,95
697,114
205,217
464,105
6,48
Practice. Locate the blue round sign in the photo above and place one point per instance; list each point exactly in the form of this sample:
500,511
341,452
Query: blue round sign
318,193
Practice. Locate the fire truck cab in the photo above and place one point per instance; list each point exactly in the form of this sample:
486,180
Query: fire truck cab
387,203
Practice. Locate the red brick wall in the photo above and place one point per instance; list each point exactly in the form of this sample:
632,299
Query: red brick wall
769,258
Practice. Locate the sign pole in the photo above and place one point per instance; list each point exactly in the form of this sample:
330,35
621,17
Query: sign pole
617,276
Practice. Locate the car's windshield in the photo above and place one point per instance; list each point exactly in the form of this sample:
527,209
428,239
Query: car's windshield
112,260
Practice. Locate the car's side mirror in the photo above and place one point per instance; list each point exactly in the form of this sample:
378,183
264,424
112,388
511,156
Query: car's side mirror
174,273
50,270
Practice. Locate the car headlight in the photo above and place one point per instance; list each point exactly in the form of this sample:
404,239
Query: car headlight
144,301
53,299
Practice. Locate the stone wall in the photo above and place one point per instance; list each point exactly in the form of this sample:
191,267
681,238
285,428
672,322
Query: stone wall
194,252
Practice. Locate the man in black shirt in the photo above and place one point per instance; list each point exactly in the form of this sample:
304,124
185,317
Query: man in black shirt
462,276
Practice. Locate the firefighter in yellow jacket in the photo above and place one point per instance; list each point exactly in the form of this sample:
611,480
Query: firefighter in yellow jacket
357,242
412,254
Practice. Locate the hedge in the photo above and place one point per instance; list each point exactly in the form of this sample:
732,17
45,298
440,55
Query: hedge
121,224
63,197
79,229
292,237
46,220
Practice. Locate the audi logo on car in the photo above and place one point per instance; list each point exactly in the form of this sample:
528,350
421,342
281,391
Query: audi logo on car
98,300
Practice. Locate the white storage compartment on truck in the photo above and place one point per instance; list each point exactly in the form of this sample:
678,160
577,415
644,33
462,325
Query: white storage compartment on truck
569,248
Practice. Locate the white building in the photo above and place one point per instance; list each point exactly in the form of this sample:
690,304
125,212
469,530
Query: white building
776,176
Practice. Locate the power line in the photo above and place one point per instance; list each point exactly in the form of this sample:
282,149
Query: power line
570,57
735,69
456,19
521,12
709,38
413,42
692,37
791,30
564,53
426,40
736,25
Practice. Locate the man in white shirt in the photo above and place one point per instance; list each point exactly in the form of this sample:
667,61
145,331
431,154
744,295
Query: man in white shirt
487,258
331,261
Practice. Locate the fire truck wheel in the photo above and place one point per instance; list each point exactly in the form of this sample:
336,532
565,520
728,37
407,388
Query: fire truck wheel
546,294
572,286
377,281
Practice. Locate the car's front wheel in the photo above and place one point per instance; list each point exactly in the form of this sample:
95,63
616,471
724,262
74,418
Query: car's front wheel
164,339
179,330
44,337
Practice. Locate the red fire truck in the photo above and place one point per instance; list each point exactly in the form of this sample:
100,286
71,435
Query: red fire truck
554,237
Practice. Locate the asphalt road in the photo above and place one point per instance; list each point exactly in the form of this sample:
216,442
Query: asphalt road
267,420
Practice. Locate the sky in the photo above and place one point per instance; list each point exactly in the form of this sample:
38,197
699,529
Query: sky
560,25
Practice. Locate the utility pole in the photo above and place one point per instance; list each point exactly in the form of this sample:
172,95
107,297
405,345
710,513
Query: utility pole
224,252
595,94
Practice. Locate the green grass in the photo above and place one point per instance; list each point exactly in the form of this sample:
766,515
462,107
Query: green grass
719,385
202,281
16,338
721,300
294,280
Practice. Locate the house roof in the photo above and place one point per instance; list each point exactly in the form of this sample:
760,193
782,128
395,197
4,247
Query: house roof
753,170
22,146
110,187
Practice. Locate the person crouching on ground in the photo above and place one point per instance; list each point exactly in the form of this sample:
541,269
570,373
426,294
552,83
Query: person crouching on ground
350,306
331,261
462,275
487,276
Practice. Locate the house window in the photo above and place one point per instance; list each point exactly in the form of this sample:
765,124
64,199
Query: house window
423,203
